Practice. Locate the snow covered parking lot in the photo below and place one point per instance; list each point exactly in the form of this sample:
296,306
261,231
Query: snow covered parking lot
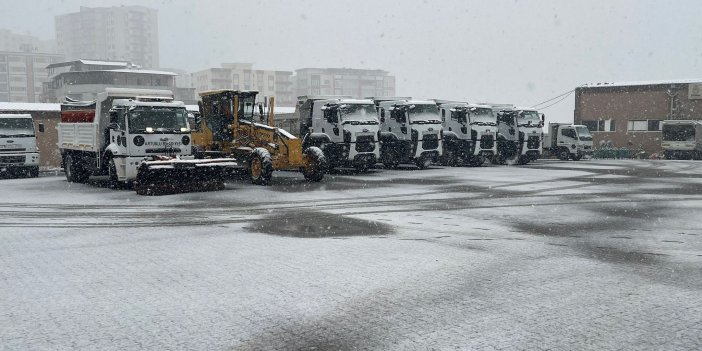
554,255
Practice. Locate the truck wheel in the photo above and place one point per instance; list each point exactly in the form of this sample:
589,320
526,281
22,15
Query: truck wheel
563,154
577,157
422,162
74,170
33,172
112,171
261,166
449,159
477,161
316,164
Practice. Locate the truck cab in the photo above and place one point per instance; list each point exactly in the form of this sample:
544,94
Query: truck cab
410,132
469,133
345,129
682,139
18,145
568,141
519,135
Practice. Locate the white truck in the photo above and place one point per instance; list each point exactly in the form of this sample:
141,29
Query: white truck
18,145
345,129
469,133
132,135
519,135
568,141
410,132
682,139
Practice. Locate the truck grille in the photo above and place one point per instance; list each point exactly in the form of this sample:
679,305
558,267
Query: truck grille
430,142
364,143
12,159
487,142
533,142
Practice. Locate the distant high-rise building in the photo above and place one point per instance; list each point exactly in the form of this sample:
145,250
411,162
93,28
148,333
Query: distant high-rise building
16,42
242,76
358,83
122,33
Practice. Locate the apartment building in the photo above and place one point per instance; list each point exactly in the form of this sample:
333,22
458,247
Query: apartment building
358,83
118,33
22,75
242,76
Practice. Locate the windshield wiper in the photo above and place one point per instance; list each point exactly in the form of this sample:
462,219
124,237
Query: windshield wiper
483,123
21,135
431,121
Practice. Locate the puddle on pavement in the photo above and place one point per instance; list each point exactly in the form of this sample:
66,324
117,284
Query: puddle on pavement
317,225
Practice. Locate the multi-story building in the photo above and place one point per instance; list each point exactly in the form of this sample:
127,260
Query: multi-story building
83,79
121,33
242,76
16,42
358,83
629,114
22,75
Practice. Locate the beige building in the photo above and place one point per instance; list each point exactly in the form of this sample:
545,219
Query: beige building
358,83
120,33
242,76
22,75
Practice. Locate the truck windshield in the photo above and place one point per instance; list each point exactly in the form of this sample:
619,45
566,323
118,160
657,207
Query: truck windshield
528,118
482,116
678,132
424,114
358,113
16,127
158,120
583,133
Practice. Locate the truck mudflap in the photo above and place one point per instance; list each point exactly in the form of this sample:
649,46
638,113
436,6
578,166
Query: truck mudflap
171,175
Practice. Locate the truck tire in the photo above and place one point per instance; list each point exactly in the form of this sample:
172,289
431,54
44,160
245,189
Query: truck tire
33,172
577,157
75,173
112,173
317,164
260,166
422,162
563,154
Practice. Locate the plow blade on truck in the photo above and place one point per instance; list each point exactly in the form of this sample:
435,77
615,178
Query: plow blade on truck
163,176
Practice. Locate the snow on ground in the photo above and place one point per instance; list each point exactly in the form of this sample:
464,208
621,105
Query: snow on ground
554,255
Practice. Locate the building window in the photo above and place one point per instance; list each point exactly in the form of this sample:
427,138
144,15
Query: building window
650,125
601,125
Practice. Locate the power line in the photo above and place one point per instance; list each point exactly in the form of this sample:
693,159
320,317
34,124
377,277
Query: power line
554,98
563,98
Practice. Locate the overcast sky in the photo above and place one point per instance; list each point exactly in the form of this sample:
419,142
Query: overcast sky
520,52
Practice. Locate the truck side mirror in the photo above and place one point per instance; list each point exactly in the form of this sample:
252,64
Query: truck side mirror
113,126
543,119
41,127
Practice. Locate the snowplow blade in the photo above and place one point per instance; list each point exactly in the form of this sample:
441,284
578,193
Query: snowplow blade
163,177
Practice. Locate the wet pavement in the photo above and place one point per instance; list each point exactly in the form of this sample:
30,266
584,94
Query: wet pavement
553,255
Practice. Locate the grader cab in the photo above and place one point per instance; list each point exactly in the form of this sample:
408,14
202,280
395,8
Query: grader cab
232,125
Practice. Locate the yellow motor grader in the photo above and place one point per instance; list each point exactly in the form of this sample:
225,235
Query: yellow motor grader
231,125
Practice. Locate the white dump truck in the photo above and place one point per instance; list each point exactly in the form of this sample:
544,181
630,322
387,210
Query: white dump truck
345,129
682,139
138,136
568,141
469,133
19,154
410,132
519,135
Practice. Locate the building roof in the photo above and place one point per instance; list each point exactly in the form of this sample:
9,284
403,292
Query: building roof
138,71
29,106
641,83
89,62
